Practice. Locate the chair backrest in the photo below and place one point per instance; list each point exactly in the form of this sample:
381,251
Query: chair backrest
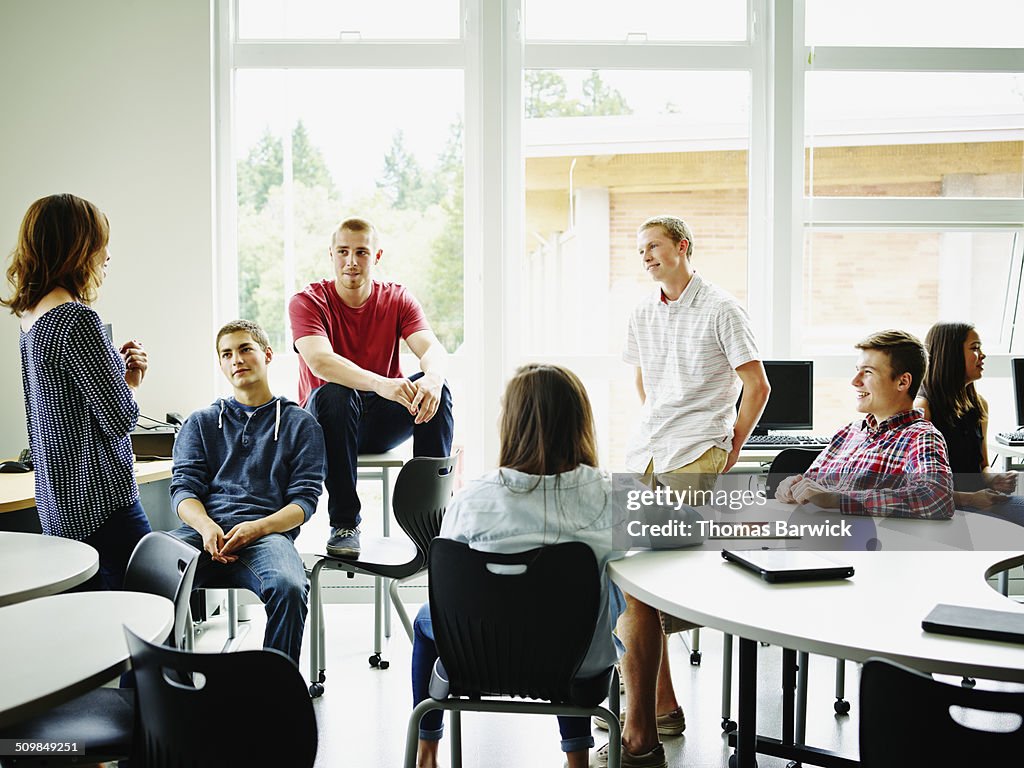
789,462
905,720
423,492
516,624
163,565
249,708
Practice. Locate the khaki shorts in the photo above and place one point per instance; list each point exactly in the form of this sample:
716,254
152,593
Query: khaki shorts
706,467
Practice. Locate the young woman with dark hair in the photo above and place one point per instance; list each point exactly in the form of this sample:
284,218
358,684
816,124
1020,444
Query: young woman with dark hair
950,401
79,404
546,490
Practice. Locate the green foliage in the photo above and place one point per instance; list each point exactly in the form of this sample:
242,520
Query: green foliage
599,99
263,168
545,94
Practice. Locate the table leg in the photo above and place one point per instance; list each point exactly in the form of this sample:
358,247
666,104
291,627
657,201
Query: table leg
746,736
386,496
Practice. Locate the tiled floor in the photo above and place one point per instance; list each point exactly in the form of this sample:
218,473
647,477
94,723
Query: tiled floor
364,711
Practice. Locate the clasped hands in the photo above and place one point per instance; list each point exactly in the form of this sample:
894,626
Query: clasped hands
798,489
421,397
223,547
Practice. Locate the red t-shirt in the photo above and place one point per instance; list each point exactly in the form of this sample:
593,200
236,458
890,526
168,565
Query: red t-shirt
366,335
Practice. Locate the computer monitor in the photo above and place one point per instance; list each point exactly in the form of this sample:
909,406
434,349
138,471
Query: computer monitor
1017,370
791,402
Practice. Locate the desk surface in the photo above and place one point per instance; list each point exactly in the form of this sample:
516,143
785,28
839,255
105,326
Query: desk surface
18,489
877,612
33,565
59,647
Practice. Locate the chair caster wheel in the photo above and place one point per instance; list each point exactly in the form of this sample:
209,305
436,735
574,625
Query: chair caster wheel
728,725
384,665
841,706
322,677
316,691
968,682
374,660
695,657
794,764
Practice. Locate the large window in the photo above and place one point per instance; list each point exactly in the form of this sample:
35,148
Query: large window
842,172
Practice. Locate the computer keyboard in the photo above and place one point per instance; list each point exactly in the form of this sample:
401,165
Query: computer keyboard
1011,438
786,441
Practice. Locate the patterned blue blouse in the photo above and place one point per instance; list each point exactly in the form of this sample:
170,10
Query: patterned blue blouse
80,412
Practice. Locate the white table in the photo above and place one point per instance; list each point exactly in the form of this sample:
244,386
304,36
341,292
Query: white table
878,612
56,648
33,565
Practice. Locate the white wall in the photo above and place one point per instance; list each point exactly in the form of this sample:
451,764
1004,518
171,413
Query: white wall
111,100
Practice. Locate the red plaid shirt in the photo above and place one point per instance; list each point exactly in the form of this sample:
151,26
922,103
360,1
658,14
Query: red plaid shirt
898,468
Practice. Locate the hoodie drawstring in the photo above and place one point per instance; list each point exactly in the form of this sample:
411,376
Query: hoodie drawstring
277,419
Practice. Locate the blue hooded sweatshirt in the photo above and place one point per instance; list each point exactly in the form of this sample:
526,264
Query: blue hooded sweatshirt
246,463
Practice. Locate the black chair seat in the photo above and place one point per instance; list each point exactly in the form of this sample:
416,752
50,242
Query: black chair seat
103,720
393,558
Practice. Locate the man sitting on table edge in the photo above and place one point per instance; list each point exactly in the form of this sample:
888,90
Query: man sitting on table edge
891,463
248,471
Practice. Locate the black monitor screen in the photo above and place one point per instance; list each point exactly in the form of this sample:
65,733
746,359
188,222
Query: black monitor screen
791,402
1018,387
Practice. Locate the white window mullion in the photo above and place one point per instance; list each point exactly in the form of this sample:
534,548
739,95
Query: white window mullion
886,59
328,55
708,57
927,213
787,174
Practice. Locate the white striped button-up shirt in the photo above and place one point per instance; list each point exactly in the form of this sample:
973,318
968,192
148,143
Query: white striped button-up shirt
688,351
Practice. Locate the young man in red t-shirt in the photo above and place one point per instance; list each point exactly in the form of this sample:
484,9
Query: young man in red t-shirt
347,332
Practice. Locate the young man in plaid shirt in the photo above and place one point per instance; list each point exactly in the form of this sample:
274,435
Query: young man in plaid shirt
891,463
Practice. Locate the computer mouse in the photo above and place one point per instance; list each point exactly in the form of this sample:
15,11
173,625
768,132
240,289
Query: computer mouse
13,466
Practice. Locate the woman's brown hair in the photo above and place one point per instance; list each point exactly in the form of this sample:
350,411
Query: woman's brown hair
949,395
547,425
59,240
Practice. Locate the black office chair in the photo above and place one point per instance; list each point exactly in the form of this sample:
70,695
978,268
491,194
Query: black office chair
514,626
423,491
788,462
104,719
905,719
246,709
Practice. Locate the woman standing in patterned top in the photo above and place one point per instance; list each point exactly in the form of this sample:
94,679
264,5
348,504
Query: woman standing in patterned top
79,401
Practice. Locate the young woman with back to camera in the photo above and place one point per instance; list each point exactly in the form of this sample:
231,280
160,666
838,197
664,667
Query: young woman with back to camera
546,490
79,402
949,399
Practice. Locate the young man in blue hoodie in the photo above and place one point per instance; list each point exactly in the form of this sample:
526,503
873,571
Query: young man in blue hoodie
248,471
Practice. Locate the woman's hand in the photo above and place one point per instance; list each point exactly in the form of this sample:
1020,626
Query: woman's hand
136,361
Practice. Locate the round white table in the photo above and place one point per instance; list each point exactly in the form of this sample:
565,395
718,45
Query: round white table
58,647
33,565
877,612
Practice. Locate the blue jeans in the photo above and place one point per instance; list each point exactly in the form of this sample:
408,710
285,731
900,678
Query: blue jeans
270,567
357,422
115,541
575,730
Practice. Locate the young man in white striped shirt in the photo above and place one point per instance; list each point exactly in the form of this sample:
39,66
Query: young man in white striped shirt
693,347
